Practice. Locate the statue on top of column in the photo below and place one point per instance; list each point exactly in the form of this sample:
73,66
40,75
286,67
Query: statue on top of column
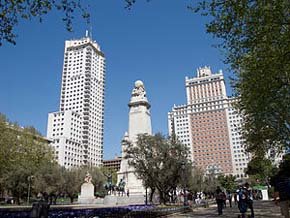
139,90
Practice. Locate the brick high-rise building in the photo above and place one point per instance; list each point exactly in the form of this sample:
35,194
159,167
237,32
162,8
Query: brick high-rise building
207,125
77,129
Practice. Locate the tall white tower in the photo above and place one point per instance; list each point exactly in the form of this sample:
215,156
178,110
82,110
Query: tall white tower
139,123
77,129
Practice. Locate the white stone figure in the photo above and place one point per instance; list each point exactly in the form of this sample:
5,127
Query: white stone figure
88,178
87,195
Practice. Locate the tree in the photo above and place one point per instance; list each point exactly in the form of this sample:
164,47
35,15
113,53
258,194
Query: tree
50,179
74,178
8,146
196,183
228,182
210,182
158,162
22,153
260,169
72,181
256,38
11,12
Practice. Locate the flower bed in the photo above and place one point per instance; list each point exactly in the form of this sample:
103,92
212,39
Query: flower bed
77,213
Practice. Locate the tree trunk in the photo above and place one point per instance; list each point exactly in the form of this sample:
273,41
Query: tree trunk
54,199
151,195
71,199
161,197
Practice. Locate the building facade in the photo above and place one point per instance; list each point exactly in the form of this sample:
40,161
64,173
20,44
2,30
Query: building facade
209,125
239,155
113,165
77,129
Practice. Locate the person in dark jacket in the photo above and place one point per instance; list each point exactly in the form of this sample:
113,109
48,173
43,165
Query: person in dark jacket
219,196
282,186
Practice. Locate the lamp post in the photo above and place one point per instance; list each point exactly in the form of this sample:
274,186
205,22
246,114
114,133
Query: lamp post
29,178
184,188
146,193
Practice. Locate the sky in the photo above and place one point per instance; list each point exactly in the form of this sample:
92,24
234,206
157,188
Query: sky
159,42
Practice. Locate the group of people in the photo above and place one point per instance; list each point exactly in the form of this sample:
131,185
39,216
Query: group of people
243,196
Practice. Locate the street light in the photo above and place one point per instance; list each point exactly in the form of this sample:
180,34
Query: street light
146,195
184,183
29,178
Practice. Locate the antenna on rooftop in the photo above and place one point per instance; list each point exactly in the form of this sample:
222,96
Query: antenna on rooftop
91,32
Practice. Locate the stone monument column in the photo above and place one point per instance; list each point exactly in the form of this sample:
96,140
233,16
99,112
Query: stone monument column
139,123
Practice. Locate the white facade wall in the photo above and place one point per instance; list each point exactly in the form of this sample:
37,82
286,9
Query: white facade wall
80,139
178,124
240,157
65,130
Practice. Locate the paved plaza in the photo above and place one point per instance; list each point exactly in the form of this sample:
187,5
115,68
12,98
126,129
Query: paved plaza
262,209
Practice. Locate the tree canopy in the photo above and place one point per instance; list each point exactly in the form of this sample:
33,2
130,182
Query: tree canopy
255,36
11,12
261,169
27,163
158,162
22,153
228,182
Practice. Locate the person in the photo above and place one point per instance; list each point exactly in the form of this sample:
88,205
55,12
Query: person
282,187
235,198
40,208
250,199
224,199
229,196
242,201
219,200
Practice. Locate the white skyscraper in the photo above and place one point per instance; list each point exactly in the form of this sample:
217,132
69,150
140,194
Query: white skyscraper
77,129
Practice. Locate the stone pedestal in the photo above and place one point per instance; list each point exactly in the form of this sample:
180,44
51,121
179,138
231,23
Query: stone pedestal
87,194
111,200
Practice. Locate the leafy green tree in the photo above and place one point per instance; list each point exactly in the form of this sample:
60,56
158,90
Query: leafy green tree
22,153
255,37
260,169
210,182
196,183
74,178
8,146
158,162
72,181
12,12
49,178
98,180
228,182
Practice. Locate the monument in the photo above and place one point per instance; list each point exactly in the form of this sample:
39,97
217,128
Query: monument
139,123
87,195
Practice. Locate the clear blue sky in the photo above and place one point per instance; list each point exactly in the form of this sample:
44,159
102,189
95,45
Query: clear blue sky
159,42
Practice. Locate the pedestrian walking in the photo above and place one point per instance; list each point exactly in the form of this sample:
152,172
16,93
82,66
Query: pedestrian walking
282,186
242,201
224,199
250,199
236,198
229,197
219,196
